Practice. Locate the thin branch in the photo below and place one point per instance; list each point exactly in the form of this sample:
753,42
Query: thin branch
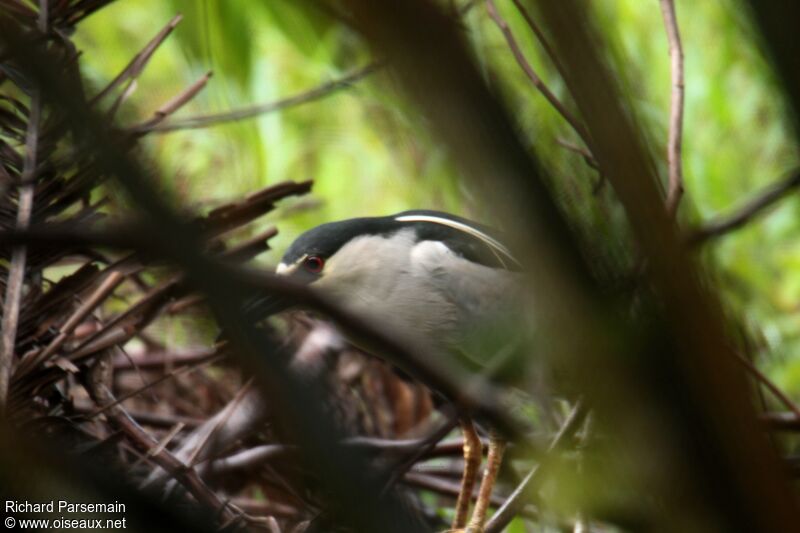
201,446
149,419
172,106
754,207
98,385
516,501
19,254
537,31
674,156
326,89
97,297
774,389
147,386
580,150
139,61
158,360
534,77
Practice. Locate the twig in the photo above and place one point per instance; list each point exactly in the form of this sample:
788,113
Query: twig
755,206
19,254
150,419
165,377
160,359
195,456
204,121
162,444
534,78
264,507
145,307
139,61
537,31
426,446
774,389
250,458
511,507
171,106
29,362
580,150
675,190
98,380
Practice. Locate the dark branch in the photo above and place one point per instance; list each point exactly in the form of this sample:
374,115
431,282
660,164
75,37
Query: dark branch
751,209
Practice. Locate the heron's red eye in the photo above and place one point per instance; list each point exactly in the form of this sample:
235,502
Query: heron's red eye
314,264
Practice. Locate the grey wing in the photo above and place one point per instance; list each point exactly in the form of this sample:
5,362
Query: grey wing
489,303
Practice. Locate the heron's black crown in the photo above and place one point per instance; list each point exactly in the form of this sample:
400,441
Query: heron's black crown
325,240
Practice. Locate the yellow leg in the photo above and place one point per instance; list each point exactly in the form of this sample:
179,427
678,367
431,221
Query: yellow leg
473,452
496,448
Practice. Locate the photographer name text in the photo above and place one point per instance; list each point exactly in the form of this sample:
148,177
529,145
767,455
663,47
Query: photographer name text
63,506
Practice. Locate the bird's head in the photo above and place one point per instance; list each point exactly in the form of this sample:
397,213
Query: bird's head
362,259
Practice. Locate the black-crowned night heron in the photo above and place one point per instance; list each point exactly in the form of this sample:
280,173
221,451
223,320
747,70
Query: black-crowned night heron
431,276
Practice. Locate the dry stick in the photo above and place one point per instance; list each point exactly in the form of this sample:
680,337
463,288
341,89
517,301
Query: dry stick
675,190
100,294
172,105
151,419
533,77
19,254
161,444
755,206
98,381
139,61
154,296
426,446
203,121
149,385
195,457
515,502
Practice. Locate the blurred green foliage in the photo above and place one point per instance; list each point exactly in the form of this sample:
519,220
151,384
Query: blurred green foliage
370,154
